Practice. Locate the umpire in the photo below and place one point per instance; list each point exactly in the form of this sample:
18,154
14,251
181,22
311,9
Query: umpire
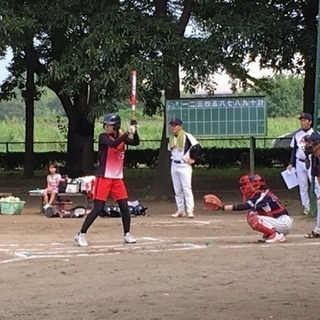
184,150
299,160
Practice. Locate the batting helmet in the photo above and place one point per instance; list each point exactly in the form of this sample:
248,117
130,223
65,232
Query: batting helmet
112,119
140,210
131,209
251,183
115,212
78,212
106,211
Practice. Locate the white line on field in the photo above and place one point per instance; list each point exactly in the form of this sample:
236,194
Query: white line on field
268,245
145,244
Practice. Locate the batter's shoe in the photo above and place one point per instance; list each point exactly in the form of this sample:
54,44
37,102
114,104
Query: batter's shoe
190,215
128,238
276,237
178,214
306,211
311,235
81,239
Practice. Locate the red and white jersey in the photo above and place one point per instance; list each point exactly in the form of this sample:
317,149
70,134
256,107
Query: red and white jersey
114,162
111,154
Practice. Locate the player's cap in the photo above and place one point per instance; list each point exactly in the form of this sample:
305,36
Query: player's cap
305,115
315,137
175,122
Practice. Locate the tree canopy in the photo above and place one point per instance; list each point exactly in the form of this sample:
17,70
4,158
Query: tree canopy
84,51
282,34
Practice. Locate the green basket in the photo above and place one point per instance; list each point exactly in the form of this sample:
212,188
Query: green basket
14,207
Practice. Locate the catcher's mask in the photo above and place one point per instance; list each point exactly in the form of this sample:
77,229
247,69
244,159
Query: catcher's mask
112,119
308,145
312,144
251,183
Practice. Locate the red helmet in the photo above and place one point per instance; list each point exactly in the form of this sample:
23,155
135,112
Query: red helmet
251,183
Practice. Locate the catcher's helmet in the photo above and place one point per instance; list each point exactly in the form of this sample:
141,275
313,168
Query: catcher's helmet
113,120
251,183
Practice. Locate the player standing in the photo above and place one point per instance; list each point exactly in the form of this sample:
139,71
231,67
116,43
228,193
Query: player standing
298,160
109,176
184,151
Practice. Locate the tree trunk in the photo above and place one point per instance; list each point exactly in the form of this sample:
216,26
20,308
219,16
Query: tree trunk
80,155
162,187
80,152
310,11
28,170
309,87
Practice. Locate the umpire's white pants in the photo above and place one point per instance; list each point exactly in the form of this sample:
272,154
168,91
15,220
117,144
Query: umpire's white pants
317,228
181,174
304,178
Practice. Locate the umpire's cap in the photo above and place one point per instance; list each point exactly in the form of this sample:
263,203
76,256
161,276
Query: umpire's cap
175,122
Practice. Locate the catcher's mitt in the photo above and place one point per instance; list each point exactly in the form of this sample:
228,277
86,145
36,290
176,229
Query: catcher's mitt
212,202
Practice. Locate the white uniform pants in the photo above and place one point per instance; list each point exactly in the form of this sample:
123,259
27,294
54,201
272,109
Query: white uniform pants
283,224
181,174
304,178
317,228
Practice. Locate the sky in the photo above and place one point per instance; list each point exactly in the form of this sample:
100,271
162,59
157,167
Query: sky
3,71
3,63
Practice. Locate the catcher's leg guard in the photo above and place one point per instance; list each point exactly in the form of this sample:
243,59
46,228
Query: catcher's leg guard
255,224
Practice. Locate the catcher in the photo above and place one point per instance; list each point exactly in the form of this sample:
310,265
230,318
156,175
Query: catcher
266,214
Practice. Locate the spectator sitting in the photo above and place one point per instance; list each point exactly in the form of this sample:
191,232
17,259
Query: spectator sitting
53,180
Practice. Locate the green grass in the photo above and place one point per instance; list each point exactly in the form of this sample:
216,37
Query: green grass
150,128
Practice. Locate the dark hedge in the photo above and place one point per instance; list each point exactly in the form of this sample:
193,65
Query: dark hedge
209,158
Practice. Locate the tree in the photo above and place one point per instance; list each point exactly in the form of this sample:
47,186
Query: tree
84,53
19,34
285,98
71,50
282,34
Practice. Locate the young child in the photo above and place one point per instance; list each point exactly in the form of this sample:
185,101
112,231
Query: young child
53,180
266,214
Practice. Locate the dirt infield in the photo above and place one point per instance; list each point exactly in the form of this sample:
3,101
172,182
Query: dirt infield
207,268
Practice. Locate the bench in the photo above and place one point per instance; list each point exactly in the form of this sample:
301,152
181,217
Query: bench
85,197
